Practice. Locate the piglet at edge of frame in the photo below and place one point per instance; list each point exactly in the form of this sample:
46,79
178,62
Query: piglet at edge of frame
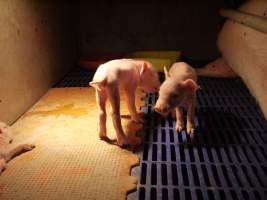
7,151
125,74
179,88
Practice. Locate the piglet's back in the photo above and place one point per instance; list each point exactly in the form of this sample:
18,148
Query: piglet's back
182,71
117,70
108,69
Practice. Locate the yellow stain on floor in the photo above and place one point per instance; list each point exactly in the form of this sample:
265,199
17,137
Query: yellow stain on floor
68,109
69,161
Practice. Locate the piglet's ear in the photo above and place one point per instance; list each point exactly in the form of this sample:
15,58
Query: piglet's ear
191,85
143,68
98,85
167,75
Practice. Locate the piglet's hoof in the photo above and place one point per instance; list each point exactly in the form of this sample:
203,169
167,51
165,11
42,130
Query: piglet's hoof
190,130
122,141
134,141
141,114
28,147
130,141
138,119
179,128
107,139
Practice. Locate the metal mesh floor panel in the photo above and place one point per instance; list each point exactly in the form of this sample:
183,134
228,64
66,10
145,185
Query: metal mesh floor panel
226,159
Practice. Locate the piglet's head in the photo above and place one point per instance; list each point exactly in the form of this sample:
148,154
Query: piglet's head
98,85
173,93
149,81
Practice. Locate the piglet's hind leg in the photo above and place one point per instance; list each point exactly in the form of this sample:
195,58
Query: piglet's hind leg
101,98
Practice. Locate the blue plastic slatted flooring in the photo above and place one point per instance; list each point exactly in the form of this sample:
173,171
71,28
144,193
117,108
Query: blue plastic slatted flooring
77,77
226,159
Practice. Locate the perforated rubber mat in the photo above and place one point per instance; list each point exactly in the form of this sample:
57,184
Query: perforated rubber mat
226,159
77,77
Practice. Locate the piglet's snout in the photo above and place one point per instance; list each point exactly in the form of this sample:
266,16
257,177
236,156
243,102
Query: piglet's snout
159,110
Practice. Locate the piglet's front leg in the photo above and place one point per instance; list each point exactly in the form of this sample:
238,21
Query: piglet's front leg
21,148
2,165
130,97
179,119
113,95
190,125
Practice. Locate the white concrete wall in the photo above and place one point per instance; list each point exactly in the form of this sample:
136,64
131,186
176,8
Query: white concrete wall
37,47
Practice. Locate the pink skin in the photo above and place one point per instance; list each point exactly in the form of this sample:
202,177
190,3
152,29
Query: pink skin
217,68
179,88
245,49
127,74
6,153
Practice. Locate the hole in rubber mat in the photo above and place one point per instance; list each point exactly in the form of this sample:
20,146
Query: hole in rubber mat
165,194
206,176
235,173
143,173
154,174
153,193
188,194
225,159
176,194
185,175
154,152
199,194
164,177
171,135
222,194
226,176
155,136
211,195
173,154
174,175
163,152
142,193
77,77
245,195
195,175
228,151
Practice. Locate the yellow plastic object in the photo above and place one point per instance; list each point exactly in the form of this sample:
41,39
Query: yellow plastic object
156,54
158,58
158,63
